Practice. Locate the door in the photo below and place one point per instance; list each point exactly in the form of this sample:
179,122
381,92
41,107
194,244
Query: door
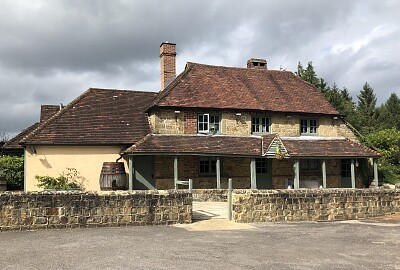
264,173
143,167
346,173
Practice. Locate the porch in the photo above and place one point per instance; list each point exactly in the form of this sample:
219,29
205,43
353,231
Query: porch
255,162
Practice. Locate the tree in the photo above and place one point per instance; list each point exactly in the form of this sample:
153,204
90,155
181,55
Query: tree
387,142
4,137
308,74
366,110
389,113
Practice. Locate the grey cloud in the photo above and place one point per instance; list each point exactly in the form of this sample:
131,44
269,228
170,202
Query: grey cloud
51,51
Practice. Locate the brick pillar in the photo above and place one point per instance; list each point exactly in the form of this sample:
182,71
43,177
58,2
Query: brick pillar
190,122
167,63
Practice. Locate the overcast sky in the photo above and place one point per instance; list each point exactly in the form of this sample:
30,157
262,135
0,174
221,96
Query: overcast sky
52,51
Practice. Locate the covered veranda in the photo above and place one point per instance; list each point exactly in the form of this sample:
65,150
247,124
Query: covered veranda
177,149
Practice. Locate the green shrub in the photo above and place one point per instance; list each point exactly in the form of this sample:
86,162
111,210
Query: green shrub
13,169
63,182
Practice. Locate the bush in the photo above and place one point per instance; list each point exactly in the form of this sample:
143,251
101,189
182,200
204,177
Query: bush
13,169
387,142
63,182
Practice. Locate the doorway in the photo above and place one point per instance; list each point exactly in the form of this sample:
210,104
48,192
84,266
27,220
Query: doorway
143,172
264,173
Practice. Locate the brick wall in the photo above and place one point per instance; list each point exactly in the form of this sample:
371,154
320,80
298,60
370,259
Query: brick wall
236,168
46,210
313,204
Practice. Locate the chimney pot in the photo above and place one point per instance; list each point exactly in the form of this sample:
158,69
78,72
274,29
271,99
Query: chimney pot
257,63
167,63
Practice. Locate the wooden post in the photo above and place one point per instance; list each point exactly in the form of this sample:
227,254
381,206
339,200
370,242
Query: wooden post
131,172
218,165
176,172
253,176
190,185
353,175
376,172
296,174
230,198
323,173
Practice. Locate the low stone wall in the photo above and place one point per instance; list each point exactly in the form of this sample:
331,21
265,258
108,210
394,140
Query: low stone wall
210,195
45,210
313,204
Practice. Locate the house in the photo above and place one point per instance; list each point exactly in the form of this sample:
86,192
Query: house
262,128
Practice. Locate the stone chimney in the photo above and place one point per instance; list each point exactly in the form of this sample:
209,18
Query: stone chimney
47,111
167,63
257,63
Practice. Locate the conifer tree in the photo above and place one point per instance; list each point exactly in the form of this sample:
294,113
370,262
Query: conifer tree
366,110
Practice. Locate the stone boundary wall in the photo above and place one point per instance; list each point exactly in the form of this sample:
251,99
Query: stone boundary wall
210,195
313,204
72,209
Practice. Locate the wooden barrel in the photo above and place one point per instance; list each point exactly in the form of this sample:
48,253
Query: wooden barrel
113,176
3,183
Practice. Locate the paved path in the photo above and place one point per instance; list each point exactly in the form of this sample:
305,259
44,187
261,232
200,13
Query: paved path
298,246
210,210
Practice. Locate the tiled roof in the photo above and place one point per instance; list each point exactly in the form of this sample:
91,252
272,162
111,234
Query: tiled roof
205,86
198,144
14,142
98,116
327,148
248,146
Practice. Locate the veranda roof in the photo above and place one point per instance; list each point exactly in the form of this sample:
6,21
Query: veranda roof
253,146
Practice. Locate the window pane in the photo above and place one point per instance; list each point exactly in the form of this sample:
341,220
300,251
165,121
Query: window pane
260,125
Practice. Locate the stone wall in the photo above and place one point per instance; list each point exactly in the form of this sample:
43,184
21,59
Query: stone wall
47,210
210,195
313,204
165,121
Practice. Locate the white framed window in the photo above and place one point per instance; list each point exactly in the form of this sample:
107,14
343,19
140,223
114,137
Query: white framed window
308,126
260,125
208,123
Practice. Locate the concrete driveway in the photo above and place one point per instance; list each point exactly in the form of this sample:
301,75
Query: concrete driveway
222,245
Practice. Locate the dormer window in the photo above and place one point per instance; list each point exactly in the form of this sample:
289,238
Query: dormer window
208,123
260,125
308,126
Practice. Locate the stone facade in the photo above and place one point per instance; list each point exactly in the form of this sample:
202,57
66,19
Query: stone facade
46,210
232,124
166,121
313,204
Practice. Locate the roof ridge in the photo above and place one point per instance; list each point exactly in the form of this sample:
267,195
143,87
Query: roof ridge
122,90
57,115
244,68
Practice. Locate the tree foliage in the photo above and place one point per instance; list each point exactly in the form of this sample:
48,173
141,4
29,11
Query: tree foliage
366,110
13,169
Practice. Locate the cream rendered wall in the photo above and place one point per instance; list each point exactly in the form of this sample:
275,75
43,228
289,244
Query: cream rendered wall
54,160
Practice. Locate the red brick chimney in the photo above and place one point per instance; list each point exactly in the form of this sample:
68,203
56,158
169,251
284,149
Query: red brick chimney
167,63
47,111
